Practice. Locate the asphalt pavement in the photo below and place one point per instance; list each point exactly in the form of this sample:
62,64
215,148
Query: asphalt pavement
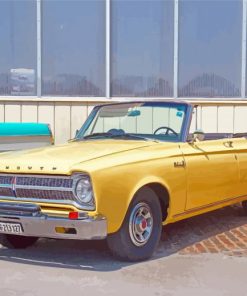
86,268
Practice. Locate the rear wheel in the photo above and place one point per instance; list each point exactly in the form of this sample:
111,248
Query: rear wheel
140,232
12,241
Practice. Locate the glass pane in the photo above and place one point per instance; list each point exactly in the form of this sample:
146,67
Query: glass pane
73,48
210,48
156,120
18,47
142,48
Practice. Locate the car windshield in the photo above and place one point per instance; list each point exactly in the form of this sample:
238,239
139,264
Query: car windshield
162,121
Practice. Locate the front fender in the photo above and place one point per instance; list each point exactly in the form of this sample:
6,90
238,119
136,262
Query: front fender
115,188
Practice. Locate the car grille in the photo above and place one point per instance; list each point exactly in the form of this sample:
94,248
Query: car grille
41,188
44,182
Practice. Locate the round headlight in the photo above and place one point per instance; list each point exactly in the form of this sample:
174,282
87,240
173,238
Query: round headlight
83,190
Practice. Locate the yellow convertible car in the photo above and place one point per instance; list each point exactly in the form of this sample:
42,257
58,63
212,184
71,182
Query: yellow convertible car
131,168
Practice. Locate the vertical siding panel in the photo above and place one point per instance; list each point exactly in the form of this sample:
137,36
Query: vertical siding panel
46,114
240,119
199,120
225,119
196,122
209,119
78,117
29,112
193,123
2,112
62,123
13,112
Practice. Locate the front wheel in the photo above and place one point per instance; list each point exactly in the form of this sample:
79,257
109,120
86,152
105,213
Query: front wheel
12,241
140,232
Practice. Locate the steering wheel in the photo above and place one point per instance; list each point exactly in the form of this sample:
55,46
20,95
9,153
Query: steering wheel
167,128
116,132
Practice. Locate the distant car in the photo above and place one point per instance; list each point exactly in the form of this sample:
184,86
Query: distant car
18,136
132,167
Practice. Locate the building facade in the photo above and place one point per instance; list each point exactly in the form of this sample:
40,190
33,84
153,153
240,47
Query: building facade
58,58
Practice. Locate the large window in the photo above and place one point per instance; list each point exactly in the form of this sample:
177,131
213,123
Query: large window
71,54
18,47
73,49
142,48
210,48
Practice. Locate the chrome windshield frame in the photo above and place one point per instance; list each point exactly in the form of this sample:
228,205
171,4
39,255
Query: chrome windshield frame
184,128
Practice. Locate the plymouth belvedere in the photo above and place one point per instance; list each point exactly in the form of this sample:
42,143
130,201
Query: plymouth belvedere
131,168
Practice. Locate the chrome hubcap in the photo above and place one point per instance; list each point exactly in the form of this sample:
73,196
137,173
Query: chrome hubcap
140,224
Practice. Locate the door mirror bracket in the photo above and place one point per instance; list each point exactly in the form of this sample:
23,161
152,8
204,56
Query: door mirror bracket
197,136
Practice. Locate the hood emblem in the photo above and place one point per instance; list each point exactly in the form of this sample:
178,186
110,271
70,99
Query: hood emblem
30,168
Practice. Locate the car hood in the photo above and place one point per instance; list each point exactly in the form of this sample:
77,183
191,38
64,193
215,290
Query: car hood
61,159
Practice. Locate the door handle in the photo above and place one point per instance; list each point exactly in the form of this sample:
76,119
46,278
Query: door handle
228,144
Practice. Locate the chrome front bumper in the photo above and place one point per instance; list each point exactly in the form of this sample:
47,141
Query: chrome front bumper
35,223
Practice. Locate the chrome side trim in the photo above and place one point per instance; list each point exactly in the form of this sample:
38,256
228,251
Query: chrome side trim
217,203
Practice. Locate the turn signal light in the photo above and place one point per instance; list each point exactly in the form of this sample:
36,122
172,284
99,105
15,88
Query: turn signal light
73,215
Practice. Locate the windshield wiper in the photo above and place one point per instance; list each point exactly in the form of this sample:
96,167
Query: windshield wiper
96,135
131,136
116,136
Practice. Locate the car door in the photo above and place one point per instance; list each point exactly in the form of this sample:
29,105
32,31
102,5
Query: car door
212,172
240,146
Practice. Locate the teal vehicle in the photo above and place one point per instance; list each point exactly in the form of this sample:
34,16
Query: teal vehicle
17,136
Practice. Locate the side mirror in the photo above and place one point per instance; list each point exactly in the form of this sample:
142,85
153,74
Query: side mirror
198,136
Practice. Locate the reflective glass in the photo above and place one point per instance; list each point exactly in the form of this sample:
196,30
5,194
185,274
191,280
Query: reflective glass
73,60
18,47
210,48
142,48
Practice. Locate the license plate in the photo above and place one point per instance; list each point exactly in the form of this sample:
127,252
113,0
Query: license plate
12,228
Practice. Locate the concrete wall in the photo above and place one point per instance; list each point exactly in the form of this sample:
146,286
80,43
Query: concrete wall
66,116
